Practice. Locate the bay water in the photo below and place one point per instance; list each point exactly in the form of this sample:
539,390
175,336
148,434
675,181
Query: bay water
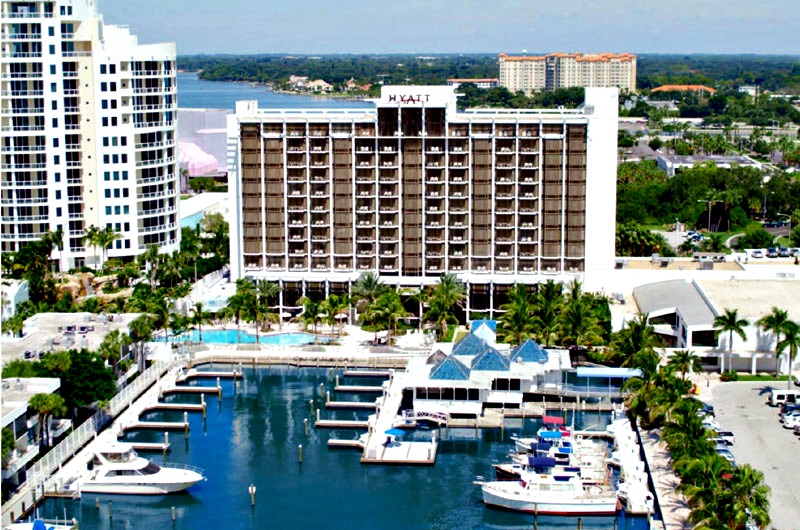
251,436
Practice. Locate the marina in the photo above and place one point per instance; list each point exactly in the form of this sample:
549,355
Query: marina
269,440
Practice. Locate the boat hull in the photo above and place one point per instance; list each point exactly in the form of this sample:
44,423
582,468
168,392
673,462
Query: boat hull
508,500
136,489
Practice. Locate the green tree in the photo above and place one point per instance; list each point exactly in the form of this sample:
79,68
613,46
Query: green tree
387,311
791,340
201,184
9,443
113,345
14,325
745,498
637,336
266,294
312,313
517,323
685,362
335,306
366,289
47,406
549,301
443,297
90,239
19,368
730,323
199,317
104,238
774,323
141,331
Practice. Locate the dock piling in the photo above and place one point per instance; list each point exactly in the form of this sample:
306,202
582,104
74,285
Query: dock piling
110,510
186,424
311,405
219,389
337,380
327,397
300,454
305,425
97,503
252,491
580,524
166,444
203,403
173,514
317,414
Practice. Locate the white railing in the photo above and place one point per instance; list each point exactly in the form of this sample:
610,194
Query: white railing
39,473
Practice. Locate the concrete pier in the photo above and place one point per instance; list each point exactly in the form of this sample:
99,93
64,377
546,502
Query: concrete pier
198,374
341,424
191,407
351,405
191,390
385,374
358,388
159,425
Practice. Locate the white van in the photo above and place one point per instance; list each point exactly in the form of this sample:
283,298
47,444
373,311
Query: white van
779,397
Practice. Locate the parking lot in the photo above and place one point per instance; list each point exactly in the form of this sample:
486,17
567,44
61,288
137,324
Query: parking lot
763,443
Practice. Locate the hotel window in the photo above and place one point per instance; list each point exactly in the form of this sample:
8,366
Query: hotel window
126,210
108,210
108,194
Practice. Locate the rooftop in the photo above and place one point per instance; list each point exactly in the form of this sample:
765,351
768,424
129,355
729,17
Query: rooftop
717,159
684,88
754,298
17,392
681,295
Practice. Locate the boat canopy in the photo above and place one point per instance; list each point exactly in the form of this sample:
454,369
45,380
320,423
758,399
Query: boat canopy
542,461
550,435
553,420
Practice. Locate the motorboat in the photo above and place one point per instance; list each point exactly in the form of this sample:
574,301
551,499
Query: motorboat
118,469
591,468
550,494
43,524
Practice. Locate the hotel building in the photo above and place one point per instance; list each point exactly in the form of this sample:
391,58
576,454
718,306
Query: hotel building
88,131
413,188
566,70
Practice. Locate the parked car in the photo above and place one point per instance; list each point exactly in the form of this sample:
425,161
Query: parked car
790,422
756,254
772,252
795,252
784,252
727,455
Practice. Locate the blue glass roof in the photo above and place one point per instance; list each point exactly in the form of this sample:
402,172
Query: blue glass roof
450,369
529,352
491,324
491,359
470,345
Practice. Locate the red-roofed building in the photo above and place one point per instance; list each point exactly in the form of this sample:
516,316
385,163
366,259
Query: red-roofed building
684,88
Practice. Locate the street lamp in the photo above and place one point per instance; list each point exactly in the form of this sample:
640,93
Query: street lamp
709,202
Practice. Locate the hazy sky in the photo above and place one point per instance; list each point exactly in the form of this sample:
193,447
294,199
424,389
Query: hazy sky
415,26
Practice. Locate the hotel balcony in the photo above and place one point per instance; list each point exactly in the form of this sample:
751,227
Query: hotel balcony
457,264
22,454
388,264
342,264
365,264
364,147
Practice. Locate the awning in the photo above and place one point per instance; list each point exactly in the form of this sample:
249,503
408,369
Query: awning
394,432
605,371
553,420
550,435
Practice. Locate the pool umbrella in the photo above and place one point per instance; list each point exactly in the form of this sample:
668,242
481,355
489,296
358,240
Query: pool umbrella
340,316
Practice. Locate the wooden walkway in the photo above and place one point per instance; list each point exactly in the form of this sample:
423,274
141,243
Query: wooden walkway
672,505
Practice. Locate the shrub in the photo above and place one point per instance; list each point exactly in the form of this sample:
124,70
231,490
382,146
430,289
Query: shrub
729,376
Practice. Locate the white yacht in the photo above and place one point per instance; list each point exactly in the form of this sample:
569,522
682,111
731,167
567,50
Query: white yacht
550,494
117,469
43,524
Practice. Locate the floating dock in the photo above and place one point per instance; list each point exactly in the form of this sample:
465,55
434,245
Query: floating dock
192,390
154,446
346,444
368,373
341,424
197,374
352,405
359,388
158,425
189,407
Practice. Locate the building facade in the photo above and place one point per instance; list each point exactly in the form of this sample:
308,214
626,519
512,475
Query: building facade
88,121
565,70
414,188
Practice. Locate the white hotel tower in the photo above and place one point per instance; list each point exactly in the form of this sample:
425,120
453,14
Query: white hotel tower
88,131
414,188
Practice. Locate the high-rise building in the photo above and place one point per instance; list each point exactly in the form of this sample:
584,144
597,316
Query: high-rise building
88,131
565,70
414,188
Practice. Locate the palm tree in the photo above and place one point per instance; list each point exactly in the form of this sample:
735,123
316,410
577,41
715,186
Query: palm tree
791,340
366,289
311,315
198,318
745,499
160,311
47,406
637,335
579,324
55,239
516,323
774,323
150,259
90,239
267,291
387,310
335,306
443,297
549,301
141,330
685,361
729,322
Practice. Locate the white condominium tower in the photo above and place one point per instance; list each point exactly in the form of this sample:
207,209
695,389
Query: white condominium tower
88,131
565,70
413,188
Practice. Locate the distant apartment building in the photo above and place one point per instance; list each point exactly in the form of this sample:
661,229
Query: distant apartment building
480,83
565,70
415,188
88,131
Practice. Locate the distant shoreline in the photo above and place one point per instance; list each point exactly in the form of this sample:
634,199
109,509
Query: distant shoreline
271,88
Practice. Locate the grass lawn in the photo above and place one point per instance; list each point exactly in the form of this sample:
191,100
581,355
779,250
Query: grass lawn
760,377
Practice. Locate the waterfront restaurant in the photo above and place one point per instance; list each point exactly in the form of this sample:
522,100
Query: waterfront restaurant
477,374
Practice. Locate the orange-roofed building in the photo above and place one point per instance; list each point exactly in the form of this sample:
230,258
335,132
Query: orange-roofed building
684,88
565,70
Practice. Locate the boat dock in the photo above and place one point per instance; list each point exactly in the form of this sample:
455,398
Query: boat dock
346,444
385,374
157,425
152,446
341,424
194,373
358,388
351,405
190,407
192,390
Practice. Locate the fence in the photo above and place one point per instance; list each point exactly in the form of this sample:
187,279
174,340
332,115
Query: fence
39,474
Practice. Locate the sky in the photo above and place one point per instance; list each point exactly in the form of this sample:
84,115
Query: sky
463,26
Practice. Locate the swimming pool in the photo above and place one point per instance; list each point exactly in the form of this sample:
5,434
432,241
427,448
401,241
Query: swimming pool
233,336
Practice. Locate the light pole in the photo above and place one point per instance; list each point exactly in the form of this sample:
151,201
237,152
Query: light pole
709,202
